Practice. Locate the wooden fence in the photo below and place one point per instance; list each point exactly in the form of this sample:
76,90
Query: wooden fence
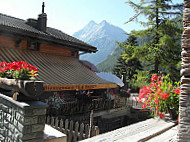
74,131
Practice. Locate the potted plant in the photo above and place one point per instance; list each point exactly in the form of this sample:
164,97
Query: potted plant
161,96
20,77
18,70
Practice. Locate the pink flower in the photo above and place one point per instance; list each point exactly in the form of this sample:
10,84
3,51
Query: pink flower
157,113
144,91
177,90
159,83
159,91
88,94
154,77
144,105
112,93
162,115
153,84
157,107
164,96
156,100
135,98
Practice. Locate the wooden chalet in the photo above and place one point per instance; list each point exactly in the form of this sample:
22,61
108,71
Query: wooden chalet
53,52
68,82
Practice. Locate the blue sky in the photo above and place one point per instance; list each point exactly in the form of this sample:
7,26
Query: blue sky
72,15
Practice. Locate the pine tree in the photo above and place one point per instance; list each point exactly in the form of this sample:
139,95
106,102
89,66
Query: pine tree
160,15
127,63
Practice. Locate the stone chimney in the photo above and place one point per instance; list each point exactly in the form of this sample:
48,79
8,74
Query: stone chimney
42,20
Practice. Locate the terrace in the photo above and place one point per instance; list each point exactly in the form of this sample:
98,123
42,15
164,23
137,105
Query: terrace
24,119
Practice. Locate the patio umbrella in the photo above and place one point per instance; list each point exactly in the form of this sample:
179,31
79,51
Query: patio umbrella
110,77
89,65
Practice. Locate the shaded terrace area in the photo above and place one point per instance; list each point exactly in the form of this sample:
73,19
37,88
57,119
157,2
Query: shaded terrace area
150,130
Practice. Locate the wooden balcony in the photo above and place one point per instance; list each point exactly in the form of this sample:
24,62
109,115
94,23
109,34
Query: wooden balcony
96,104
150,130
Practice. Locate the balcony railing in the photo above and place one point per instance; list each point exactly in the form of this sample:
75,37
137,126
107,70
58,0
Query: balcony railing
73,107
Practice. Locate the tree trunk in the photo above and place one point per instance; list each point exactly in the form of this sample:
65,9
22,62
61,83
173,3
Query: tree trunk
156,64
184,101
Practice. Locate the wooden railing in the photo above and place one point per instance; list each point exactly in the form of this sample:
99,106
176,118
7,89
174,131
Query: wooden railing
75,107
74,131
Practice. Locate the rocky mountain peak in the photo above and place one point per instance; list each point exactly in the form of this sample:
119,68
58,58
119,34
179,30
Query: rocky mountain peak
104,22
102,36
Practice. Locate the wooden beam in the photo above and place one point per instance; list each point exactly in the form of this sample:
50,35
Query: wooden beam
27,87
78,87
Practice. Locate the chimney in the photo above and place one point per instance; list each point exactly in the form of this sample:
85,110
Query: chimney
42,20
32,22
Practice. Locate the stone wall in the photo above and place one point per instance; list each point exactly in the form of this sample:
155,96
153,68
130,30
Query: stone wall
184,102
21,121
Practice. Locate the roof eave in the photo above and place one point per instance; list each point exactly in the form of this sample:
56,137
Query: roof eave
47,38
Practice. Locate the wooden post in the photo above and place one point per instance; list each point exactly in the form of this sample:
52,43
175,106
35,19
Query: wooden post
76,132
72,131
56,122
91,122
66,126
52,121
81,131
97,131
61,124
86,131
48,120
70,135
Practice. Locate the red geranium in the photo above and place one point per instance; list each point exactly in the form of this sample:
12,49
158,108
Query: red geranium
160,96
177,90
154,77
18,70
162,115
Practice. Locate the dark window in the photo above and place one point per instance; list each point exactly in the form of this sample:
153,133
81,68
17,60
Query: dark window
73,53
17,43
33,45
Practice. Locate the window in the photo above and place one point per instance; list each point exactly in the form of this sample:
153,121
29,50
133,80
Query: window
33,45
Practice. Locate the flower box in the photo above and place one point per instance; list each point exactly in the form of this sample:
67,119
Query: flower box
27,87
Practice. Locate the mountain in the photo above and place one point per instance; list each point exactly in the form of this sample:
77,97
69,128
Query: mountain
102,36
108,64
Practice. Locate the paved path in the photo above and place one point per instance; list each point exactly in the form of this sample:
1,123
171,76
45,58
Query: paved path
141,131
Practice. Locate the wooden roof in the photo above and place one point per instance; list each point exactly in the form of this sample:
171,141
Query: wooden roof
15,26
58,72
